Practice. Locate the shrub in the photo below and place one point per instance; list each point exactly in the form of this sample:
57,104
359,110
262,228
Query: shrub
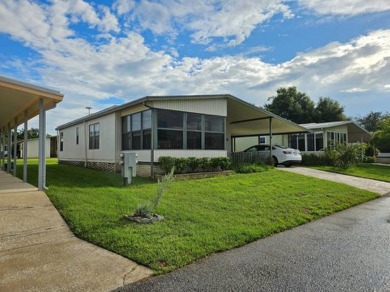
193,164
166,163
204,163
224,163
180,164
344,156
146,209
313,160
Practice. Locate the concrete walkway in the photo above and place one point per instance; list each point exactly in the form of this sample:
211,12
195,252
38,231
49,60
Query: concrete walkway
38,252
375,186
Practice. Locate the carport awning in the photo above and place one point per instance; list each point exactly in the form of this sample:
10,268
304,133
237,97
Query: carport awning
17,98
245,119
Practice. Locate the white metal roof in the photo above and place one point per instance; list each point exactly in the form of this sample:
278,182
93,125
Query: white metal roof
17,97
244,118
355,132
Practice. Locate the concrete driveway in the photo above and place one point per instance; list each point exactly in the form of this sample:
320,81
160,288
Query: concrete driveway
371,185
347,251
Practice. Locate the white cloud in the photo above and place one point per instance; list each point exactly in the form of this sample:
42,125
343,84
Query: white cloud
123,6
345,7
126,67
232,21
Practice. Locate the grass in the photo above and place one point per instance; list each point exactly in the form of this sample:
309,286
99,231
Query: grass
365,170
201,216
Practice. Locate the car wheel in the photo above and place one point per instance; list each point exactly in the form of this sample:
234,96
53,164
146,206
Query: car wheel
274,161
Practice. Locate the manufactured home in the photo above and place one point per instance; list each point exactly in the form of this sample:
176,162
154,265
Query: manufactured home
155,126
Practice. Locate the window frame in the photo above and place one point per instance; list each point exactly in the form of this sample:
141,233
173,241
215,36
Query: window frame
94,136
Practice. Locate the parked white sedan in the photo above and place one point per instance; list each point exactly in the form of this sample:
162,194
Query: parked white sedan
280,154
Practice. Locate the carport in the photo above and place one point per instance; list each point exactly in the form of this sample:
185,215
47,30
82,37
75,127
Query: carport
247,120
19,102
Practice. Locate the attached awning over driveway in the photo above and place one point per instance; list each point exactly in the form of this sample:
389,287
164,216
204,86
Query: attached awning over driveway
245,119
20,102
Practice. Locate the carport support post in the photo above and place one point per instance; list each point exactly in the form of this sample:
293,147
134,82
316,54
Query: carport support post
41,152
15,146
2,148
25,140
270,139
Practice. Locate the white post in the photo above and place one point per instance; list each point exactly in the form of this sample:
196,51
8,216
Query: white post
2,148
25,140
9,148
41,152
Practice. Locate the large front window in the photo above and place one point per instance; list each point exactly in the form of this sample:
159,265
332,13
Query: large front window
170,129
94,134
136,131
180,130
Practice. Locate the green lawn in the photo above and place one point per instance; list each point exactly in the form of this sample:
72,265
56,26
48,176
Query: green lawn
366,170
201,216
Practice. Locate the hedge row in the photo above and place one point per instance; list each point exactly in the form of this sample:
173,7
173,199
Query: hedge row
193,164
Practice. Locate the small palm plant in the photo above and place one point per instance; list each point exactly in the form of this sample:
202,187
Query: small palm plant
146,210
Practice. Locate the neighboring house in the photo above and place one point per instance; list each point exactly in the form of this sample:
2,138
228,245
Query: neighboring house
155,126
33,147
321,135
327,135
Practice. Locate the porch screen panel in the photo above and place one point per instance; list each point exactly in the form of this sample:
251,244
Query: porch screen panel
319,141
194,131
310,142
214,132
170,129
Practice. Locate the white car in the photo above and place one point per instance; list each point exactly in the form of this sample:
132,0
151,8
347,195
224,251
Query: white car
280,154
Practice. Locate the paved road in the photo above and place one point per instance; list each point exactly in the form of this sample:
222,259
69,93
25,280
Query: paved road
347,251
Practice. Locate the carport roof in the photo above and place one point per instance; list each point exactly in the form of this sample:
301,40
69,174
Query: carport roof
17,97
246,119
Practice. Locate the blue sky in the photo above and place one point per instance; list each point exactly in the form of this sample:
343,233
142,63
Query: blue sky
100,53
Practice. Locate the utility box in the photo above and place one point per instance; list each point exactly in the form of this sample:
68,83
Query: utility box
128,166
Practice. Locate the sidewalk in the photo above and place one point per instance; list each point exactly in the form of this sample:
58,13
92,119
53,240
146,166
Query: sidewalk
38,252
375,186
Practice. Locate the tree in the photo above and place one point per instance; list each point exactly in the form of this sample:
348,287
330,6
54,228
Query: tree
31,134
292,105
381,138
299,108
329,110
372,120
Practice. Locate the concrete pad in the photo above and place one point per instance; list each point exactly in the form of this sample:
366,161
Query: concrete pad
371,185
38,252
70,264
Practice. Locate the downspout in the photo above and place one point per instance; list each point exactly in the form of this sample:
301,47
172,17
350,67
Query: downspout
152,142
270,139
85,145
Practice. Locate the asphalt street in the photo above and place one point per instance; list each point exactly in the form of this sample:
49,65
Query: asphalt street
347,251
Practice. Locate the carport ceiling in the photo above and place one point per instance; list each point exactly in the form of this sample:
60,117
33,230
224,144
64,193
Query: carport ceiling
18,97
245,119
